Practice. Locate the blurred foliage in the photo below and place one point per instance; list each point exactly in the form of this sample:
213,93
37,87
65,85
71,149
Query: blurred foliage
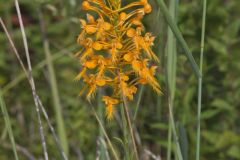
221,82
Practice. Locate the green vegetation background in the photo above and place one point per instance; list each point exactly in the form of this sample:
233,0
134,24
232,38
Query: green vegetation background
221,82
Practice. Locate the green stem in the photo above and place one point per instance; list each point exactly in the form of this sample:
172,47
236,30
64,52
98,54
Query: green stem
200,82
8,124
175,136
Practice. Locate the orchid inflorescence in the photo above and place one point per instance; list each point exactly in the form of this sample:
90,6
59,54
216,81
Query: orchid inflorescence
116,51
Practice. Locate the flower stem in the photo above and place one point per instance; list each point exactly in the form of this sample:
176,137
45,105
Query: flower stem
130,126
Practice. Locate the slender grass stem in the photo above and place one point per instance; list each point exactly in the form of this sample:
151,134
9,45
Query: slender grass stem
200,81
8,124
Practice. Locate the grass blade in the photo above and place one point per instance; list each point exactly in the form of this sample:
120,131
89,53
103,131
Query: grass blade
200,81
8,124
172,51
171,68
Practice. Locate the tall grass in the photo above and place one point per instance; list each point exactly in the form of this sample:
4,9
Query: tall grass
171,49
200,81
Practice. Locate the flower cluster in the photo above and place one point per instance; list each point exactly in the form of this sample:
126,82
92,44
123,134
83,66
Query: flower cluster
116,50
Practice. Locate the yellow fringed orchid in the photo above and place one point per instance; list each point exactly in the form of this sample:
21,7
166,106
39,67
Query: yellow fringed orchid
116,50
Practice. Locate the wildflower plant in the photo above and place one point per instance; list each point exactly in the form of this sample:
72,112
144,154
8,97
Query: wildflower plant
116,51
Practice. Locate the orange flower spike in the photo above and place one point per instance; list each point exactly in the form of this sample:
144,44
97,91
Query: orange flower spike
114,47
